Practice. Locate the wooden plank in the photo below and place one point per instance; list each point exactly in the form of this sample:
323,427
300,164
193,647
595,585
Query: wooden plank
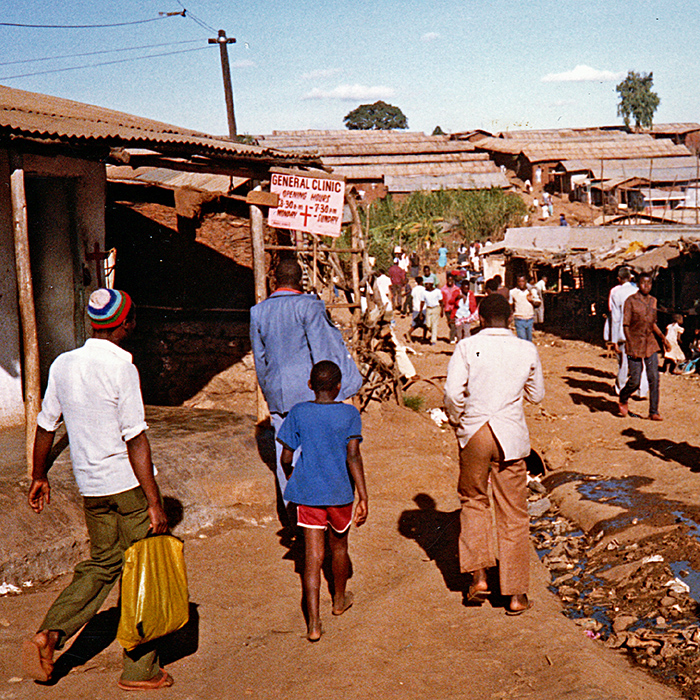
32,375
262,199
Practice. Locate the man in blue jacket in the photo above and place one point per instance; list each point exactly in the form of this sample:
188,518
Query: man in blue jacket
290,332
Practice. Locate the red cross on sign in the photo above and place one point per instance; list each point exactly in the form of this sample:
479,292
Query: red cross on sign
306,215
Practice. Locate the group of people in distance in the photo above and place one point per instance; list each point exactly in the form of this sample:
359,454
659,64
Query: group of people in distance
305,372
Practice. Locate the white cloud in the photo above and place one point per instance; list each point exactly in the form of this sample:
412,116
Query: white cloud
583,74
244,63
430,36
321,73
350,92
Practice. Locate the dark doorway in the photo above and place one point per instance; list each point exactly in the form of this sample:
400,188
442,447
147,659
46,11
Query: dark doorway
53,249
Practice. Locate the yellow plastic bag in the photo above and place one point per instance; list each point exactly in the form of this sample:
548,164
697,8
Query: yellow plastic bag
154,600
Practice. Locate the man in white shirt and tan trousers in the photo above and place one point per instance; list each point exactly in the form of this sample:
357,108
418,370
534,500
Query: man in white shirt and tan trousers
95,389
487,378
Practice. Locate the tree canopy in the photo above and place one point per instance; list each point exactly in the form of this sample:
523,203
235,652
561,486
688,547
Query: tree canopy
637,99
437,131
379,115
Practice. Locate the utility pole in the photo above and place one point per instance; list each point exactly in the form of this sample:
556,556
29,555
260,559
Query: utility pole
223,41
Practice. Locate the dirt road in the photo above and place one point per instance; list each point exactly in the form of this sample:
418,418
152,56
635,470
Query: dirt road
409,634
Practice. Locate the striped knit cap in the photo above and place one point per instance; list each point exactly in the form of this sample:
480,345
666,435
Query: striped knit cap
108,308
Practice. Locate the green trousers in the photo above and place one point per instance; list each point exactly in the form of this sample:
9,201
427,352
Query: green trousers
114,523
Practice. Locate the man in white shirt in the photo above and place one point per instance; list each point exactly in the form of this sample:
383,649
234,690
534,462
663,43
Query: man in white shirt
383,287
433,308
539,287
523,302
616,303
487,378
418,304
95,390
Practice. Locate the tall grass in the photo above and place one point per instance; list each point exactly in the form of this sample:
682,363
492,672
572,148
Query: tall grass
423,218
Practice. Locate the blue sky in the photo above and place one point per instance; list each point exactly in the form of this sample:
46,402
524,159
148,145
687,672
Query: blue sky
495,65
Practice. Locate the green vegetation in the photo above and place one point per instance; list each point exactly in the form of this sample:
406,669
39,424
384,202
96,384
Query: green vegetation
422,219
637,100
380,115
415,403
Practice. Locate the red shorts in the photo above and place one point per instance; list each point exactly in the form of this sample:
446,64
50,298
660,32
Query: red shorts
320,517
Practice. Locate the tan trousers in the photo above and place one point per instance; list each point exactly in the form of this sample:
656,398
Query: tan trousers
479,457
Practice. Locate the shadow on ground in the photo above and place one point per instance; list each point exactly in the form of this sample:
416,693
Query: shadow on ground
437,533
683,453
595,403
592,372
101,631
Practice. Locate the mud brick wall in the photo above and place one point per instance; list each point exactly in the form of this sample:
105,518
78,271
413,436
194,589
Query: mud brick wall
178,352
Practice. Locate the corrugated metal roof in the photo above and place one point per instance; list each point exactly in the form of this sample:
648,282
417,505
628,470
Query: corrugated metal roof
562,238
581,134
675,128
374,172
344,135
37,116
632,146
602,247
404,161
175,179
682,168
455,181
394,158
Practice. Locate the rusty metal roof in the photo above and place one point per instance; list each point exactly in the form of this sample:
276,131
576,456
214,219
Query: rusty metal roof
35,116
175,179
404,161
448,181
644,248
629,146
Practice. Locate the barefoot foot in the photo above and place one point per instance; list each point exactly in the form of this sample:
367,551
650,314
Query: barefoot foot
37,655
314,633
345,603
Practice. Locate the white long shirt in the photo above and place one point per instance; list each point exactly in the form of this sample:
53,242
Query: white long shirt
96,390
383,285
487,378
616,303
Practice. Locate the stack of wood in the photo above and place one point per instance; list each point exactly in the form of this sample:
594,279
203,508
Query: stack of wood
376,353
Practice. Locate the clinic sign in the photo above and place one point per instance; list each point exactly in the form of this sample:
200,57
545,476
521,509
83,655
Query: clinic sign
307,203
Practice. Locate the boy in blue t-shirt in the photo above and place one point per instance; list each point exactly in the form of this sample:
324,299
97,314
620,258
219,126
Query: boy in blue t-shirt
321,484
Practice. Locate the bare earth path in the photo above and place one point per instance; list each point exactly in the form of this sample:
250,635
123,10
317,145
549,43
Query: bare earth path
408,634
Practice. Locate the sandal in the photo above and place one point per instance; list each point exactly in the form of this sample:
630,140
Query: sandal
477,596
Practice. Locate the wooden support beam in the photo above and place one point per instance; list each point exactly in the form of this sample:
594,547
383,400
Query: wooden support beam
257,235
307,249
356,234
25,291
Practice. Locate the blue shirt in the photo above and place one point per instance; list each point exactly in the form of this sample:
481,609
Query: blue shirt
289,333
322,430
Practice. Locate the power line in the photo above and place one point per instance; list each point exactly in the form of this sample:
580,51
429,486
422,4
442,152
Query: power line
194,18
103,63
91,26
94,53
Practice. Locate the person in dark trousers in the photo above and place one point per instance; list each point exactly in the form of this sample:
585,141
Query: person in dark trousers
95,390
642,338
